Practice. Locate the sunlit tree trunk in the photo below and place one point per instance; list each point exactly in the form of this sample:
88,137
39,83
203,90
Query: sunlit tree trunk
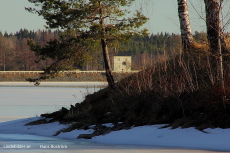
214,34
108,70
186,34
212,9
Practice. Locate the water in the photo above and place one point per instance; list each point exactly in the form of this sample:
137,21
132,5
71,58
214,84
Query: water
23,100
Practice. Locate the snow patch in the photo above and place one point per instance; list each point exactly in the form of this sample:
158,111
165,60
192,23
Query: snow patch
210,139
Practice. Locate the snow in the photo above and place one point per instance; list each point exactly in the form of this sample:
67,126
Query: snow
22,100
210,139
215,139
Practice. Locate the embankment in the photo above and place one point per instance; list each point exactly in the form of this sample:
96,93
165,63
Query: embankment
78,76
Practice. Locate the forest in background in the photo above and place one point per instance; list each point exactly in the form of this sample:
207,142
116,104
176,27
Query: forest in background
188,85
15,54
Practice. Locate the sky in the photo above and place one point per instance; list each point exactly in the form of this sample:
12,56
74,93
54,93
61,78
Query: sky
162,14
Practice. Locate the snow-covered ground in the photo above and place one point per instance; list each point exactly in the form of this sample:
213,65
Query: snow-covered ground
210,139
23,100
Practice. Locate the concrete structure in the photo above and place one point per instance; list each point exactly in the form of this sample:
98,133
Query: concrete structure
122,63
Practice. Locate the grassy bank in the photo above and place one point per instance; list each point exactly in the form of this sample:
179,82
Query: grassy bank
177,93
67,77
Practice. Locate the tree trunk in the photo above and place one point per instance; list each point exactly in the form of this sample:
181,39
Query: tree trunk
214,34
213,25
108,70
186,34
212,9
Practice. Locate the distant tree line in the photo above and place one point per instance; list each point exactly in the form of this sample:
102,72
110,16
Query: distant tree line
15,54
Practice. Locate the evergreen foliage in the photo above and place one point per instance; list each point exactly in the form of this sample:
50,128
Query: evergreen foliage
101,20
152,44
19,57
24,33
66,51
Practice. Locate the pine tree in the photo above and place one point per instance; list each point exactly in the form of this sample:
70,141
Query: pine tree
101,20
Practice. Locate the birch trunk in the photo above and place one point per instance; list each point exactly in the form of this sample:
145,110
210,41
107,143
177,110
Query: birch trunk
186,34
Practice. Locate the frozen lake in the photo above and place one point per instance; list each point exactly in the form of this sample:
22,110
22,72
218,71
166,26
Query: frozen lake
23,100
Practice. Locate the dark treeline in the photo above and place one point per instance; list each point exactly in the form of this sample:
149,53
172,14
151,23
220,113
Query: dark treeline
15,54
147,50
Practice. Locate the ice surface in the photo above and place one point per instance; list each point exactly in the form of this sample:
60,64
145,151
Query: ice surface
145,137
28,101
22,102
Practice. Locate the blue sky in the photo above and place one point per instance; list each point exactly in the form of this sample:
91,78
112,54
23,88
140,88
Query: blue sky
162,13
13,16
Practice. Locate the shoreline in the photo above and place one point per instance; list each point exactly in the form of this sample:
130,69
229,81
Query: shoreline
65,77
149,135
144,137
54,84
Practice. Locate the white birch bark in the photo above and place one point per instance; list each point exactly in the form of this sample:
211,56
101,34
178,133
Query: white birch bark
186,33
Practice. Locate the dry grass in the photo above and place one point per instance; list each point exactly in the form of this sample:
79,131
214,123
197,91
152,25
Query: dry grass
179,93
69,77
200,48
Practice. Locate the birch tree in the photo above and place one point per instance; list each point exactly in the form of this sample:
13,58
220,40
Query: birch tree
186,33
